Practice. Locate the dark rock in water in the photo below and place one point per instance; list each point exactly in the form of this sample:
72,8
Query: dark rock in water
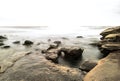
49,40
2,37
94,44
28,42
88,65
52,46
71,53
1,44
6,47
57,42
64,38
16,42
79,37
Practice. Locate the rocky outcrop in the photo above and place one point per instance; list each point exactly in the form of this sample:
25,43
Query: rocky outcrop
71,53
34,67
108,68
113,30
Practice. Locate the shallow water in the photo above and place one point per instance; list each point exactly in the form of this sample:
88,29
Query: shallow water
42,34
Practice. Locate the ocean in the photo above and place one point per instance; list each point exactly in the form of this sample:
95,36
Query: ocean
90,34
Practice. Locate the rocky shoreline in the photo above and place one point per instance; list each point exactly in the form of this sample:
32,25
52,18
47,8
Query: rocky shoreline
41,61
108,68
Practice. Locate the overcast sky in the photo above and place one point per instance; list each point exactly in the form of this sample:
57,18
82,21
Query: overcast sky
57,13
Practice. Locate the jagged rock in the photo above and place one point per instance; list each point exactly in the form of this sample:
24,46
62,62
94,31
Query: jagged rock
111,46
108,69
28,42
53,46
71,53
16,42
113,37
113,30
52,56
87,65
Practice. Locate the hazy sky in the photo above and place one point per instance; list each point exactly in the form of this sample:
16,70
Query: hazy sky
59,13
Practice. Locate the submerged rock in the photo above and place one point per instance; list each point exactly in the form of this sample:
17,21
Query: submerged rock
28,42
79,37
5,47
88,65
3,37
1,43
16,42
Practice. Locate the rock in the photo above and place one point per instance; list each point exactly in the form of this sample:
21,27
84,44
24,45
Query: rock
64,38
113,37
2,37
94,44
108,69
28,42
87,65
35,67
1,44
71,53
16,42
110,31
52,56
111,46
57,42
6,47
79,37
1,40
52,46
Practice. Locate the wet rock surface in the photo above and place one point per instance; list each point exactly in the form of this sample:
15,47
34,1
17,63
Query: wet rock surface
88,65
108,68
34,67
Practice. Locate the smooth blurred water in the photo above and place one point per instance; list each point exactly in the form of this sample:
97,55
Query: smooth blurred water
36,34
47,31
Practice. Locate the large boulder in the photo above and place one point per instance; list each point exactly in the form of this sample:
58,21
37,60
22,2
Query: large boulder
34,67
108,69
72,53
